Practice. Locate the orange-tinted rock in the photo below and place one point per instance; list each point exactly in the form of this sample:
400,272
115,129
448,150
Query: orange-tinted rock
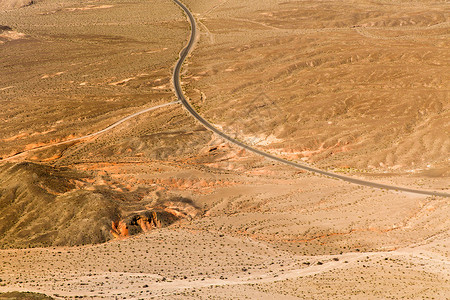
119,229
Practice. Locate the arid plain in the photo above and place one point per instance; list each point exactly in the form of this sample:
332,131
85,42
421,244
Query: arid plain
159,207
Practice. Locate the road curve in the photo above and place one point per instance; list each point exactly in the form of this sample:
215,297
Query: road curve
179,92
91,134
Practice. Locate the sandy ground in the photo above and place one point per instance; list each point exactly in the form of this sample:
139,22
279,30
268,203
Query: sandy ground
81,66
264,231
360,84
277,234
216,265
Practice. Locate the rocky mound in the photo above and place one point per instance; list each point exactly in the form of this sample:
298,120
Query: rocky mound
144,221
42,206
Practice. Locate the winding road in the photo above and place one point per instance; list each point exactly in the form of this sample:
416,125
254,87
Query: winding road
179,92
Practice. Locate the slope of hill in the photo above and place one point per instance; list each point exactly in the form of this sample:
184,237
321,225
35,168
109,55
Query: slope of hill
359,84
42,206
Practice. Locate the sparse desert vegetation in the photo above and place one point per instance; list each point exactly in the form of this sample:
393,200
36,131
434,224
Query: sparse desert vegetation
356,84
161,208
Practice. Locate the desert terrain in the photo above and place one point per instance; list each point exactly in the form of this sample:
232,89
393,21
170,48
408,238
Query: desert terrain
158,207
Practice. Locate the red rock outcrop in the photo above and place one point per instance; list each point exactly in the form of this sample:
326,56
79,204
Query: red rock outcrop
119,229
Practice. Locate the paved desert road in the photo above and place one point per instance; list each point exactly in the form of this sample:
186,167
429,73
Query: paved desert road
179,92
91,134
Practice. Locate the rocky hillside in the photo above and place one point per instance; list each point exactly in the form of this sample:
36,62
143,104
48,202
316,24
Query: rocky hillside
42,206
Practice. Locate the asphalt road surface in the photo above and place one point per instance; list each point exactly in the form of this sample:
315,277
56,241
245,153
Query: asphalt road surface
179,92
